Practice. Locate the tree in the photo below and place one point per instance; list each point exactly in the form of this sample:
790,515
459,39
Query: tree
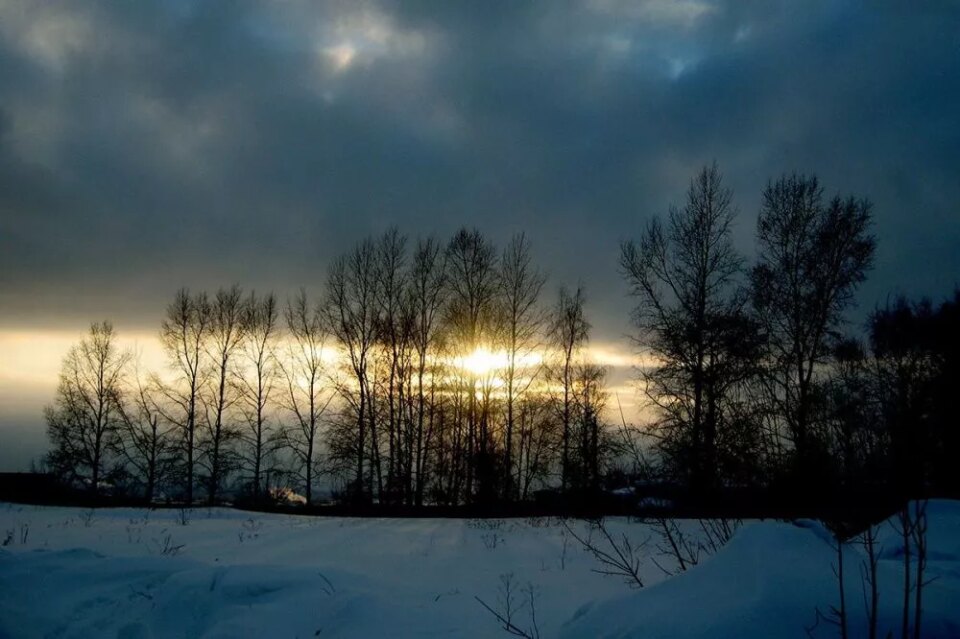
914,368
227,331
690,320
256,382
426,286
812,257
145,441
350,313
855,428
472,280
946,335
522,320
395,322
538,439
591,443
87,414
306,397
569,332
183,333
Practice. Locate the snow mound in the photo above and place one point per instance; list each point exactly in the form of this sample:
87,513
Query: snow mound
770,580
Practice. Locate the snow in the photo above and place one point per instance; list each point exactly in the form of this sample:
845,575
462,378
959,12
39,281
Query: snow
136,574
771,577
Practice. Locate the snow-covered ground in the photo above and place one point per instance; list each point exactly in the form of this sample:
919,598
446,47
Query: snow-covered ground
134,574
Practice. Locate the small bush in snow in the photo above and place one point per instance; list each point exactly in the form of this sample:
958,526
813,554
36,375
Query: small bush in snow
165,545
539,522
491,540
510,606
486,524
17,535
249,529
87,517
619,557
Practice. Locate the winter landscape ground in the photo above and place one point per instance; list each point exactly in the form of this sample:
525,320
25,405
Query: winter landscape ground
132,573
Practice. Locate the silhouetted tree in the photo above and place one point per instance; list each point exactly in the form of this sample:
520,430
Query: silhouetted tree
915,364
946,334
521,334
85,419
226,334
183,333
591,440
569,333
256,381
539,438
812,256
855,435
307,396
690,320
394,334
146,440
426,298
350,312
472,279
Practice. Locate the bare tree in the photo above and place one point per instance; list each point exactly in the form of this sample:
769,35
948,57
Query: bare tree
472,281
227,331
394,334
919,538
182,334
837,616
520,287
84,421
306,396
868,579
906,368
351,315
811,259
146,437
683,276
256,381
426,292
538,441
569,333
912,526
590,401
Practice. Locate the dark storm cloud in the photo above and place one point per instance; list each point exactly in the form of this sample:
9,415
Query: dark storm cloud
144,146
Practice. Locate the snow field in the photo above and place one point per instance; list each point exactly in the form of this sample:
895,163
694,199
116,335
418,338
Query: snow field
131,573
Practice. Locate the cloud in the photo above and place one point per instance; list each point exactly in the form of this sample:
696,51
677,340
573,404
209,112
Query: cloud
671,13
148,146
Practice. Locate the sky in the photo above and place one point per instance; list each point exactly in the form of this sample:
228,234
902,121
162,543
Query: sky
149,146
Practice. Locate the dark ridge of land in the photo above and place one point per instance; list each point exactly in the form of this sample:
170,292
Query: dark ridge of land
852,507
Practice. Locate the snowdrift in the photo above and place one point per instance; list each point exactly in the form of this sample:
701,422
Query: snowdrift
132,574
770,579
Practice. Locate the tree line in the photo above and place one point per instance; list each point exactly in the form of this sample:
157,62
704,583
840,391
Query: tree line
429,372
758,378
425,373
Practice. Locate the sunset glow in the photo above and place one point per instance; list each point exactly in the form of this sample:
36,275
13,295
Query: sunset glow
483,362
487,363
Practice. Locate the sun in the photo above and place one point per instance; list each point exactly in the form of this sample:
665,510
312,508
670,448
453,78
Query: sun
483,361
